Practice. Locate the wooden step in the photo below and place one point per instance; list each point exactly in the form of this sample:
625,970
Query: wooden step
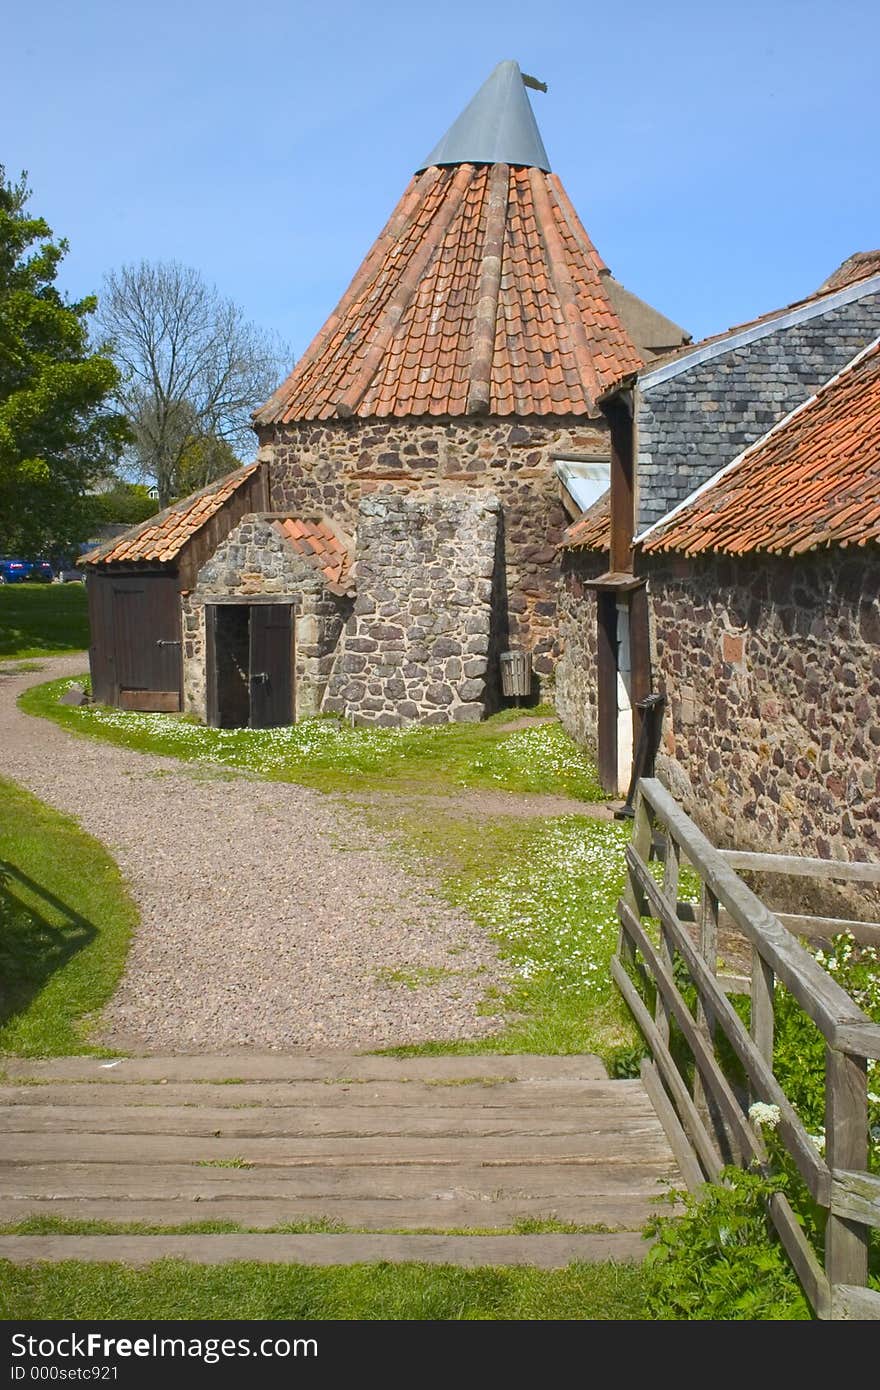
346,1094
539,1251
305,1067
381,1143
443,1211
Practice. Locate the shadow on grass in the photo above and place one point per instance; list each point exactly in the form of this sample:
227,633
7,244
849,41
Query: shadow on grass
33,947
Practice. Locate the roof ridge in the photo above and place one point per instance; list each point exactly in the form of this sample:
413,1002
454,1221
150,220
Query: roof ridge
485,318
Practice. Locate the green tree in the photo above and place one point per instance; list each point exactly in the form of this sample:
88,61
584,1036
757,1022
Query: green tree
124,504
57,433
204,458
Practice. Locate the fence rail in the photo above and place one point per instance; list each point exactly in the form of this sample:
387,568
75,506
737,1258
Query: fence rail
708,1121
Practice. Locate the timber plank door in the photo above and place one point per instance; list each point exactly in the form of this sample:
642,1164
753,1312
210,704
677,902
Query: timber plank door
145,618
271,665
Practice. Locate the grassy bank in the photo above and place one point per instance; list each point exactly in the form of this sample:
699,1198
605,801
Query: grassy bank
546,891
65,924
329,755
42,620
173,1289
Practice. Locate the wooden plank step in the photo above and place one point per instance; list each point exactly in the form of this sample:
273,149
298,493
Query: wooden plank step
392,1150
540,1251
303,1067
440,1211
312,1121
145,1181
328,1092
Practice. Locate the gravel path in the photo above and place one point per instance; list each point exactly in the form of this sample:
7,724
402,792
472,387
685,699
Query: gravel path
271,915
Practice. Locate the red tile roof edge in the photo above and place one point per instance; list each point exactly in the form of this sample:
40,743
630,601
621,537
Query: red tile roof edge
135,545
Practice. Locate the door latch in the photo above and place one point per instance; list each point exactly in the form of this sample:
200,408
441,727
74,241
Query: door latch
260,678
166,642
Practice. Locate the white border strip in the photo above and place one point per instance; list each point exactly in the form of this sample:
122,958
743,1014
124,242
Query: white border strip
734,463
847,295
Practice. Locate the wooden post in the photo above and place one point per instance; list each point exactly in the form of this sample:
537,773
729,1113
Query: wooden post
762,1007
632,894
619,413
671,871
846,1146
709,952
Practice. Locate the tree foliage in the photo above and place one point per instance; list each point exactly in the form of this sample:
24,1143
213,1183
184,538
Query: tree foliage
57,433
124,504
192,368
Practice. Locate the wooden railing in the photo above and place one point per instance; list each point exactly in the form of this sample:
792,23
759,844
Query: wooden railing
707,1120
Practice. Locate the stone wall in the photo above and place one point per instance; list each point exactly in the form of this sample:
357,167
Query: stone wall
255,564
771,668
331,466
422,641
694,423
576,684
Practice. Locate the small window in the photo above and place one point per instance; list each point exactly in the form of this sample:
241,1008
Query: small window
584,479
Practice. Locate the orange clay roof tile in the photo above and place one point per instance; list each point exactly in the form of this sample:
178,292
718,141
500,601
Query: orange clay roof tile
317,542
592,531
406,337
162,537
812,481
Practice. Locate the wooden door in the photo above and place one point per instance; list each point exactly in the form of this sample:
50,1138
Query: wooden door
271,665
146,642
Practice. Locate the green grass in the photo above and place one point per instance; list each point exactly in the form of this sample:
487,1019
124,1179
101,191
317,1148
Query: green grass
42,620
318,1225
65,924
172,1289
327,754
546,891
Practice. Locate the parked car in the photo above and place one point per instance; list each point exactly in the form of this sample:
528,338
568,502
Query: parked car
14,570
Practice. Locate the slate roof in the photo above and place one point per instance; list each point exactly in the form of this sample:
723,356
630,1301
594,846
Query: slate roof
813,481
862,266
162,537
325,548
483,294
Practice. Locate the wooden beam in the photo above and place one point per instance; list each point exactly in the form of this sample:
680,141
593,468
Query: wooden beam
618,413
808,1269
672,1127
821,998
846,1147
850,1303
799,866
700,1138
747,1141
856,1196
810,1166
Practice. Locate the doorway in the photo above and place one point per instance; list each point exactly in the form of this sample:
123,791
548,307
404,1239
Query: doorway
249,665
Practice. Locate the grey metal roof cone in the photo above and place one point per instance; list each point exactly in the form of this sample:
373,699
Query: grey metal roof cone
497,127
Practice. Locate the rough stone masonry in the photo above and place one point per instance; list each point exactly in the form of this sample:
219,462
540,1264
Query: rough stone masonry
422,641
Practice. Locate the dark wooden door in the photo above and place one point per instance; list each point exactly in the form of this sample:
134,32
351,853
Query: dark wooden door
271,665
146,642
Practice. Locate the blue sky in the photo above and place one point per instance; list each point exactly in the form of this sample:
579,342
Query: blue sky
722,157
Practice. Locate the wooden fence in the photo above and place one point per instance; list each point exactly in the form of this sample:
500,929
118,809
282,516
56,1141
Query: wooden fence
707,1120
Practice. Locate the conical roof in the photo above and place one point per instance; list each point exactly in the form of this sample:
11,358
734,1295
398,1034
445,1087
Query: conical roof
482,295
497,127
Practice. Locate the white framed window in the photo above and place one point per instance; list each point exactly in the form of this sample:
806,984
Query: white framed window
585,478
